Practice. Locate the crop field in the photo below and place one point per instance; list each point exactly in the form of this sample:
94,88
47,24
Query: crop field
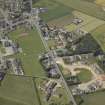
90,0
101,2
92,25
61,22
55,10
89,23
17,90
71,27
86,19
94,99
99,35
89,8
32,46
4,101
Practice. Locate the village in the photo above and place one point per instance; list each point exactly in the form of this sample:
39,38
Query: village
9,20
59,63
11,64
64,45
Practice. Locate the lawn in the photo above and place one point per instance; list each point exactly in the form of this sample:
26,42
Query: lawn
97,98
55,10
99,35
84,75
17,90
32,46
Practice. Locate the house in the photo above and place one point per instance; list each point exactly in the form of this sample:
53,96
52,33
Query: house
43,10
2,75
17,67
83,58
72,80
52,73
49,65
49,89
77,21
3,64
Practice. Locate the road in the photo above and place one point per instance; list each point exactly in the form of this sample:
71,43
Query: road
47,48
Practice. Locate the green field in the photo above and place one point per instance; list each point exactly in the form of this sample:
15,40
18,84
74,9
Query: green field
55,10
62,21
4,101
17,90
94,99
32,46
99,35
90,1
92,25
100,2
89,23
84,75
89,8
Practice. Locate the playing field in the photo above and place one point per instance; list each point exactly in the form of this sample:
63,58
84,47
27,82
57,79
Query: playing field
17,90
32,46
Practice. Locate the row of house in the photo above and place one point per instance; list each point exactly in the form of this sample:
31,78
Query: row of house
10,46
83,58
49,89
90,88
72,80
16,66
16,5
13,13
3,67
48,65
